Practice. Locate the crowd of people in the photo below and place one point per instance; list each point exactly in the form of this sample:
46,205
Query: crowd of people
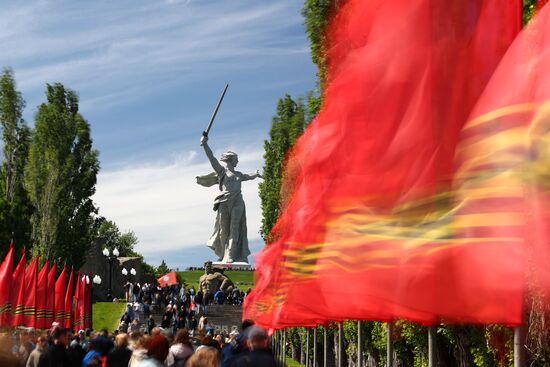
183,338
160,347
177,294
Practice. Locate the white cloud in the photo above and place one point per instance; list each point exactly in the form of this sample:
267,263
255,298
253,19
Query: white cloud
125,47
164,205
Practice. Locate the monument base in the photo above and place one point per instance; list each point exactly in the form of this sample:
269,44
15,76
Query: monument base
232,266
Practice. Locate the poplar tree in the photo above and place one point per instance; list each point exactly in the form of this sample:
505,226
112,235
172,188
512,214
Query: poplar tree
287,125
61,178
15,208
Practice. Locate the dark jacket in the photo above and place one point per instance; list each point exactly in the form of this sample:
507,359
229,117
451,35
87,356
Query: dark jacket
119,357
75,355
255,358
54,356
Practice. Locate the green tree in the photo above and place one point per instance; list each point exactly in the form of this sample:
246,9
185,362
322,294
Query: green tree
60,178
162,269
14,203
287,125
124,242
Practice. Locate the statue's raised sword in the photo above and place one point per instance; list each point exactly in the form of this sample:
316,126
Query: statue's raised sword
205,132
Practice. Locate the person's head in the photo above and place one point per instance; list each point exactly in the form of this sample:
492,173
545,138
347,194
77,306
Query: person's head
59,335
204,357
41,342
257,338
182,337
156,331
230,158
157,347
208,267
121,340
206,340
246,324
104,333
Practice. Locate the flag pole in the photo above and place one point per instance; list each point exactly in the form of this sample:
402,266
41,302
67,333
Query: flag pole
315,347
431,346
340,344
284,347
307,347
389,346
519,346
360,343
325,350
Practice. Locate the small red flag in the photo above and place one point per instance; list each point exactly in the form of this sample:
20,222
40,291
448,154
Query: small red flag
69,307
60,290
41,297
5,289
168,279
83,301
18,292
50,296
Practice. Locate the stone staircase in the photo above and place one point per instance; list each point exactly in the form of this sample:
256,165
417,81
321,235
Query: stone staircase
221,317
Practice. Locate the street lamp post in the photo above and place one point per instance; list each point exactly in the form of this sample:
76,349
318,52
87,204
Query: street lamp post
110,258
97,281
129,279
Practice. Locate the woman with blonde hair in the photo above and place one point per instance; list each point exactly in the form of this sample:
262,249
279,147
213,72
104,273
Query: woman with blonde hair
205,357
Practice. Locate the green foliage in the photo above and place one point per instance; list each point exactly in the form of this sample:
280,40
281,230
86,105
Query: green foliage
124,242
60,179
287,125
15,207
163,269
528,10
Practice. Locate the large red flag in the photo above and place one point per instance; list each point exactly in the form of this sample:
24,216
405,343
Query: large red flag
59,304
18,291
68,309
368,230
30,296
5,289
41,297
51,296
76,303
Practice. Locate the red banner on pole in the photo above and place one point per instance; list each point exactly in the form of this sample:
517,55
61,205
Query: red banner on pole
30,296
50,296
60,290
69,302
41,297
168,280
6,270
18,292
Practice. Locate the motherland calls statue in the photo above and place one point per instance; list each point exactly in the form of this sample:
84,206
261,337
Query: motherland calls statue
229,240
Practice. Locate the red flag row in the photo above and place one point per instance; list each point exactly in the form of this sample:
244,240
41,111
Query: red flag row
34,298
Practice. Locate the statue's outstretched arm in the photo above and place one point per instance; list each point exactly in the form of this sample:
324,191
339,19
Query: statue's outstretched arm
251,176
213,161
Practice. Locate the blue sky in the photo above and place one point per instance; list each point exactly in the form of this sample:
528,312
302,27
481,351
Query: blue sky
148,73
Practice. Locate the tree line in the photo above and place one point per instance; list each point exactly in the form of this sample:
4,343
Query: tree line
48,176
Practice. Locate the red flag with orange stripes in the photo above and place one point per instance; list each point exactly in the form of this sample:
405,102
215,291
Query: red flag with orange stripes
5,289
41,297
18,291
375,226
60,291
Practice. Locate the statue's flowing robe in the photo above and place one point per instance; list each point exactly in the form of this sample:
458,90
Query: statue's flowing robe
229,240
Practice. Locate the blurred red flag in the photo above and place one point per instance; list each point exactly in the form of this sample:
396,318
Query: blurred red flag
68,309
41,297
6,270
59,304
370,228
167,279
30,297
77,325
50,296
18,291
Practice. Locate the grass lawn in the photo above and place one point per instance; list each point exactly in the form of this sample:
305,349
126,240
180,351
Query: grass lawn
292,363
106,315
242,279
